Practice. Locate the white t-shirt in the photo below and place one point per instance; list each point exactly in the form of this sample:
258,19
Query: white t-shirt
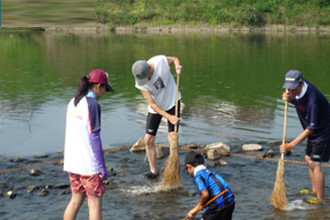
161,86
81,121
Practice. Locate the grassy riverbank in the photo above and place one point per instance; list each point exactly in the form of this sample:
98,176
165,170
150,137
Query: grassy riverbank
230,13
169,15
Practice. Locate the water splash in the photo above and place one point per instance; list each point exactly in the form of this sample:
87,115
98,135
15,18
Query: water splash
299,204
145,189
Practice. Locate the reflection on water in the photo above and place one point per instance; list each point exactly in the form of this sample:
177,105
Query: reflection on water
231,89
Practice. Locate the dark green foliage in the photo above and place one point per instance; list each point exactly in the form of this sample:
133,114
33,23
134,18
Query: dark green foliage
215,12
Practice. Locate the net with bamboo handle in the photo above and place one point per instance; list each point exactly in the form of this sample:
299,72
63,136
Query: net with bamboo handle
172,170
278,197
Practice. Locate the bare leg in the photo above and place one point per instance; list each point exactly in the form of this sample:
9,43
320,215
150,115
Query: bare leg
95,208
151,152
319,181
317,177
311,173
74,205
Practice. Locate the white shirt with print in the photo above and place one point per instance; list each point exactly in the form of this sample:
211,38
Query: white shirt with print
161,86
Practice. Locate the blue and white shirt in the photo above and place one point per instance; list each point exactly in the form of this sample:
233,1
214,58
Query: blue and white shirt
207,180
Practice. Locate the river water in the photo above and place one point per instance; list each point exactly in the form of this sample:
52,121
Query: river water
231,87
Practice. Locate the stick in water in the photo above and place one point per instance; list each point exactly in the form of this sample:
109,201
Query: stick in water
209,202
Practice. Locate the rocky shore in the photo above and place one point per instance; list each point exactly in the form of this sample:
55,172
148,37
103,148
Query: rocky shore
102,28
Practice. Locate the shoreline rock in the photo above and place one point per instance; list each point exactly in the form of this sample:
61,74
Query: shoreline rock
178,29
217,29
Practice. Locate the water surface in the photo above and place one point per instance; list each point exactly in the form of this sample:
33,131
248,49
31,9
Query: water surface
231,89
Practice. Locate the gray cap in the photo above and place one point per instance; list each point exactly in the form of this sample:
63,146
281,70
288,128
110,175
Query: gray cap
140,72
292,79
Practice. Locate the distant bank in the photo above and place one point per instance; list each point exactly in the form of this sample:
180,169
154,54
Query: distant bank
174,29
175,16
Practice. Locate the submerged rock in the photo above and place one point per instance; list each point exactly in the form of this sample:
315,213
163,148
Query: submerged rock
251,147
210,164
32,188
111,171
3,185
9,194
137,146
64,192
18,188
270,153
222,163
41,156
44,192
159,153
18,159
34,172
62,186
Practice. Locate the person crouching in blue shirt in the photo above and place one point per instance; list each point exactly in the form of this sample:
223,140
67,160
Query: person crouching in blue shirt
209,185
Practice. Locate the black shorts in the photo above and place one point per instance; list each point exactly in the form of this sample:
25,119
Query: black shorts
318,152
153,121
225,213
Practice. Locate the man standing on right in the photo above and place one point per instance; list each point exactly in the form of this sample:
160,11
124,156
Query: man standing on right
313,110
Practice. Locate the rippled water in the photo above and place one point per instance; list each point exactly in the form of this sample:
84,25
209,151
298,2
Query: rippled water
130,196
231,90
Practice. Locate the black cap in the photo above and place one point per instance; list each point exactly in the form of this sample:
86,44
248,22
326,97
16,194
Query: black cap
194,158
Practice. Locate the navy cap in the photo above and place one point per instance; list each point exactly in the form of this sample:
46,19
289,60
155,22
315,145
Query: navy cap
292,79
194,158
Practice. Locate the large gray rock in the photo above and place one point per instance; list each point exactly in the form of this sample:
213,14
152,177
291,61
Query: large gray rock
159,153
219,147
251,147
212,154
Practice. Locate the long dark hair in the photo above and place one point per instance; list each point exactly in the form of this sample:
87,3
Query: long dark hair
82,90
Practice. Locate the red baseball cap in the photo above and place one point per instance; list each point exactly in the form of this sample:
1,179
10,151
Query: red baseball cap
99,76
